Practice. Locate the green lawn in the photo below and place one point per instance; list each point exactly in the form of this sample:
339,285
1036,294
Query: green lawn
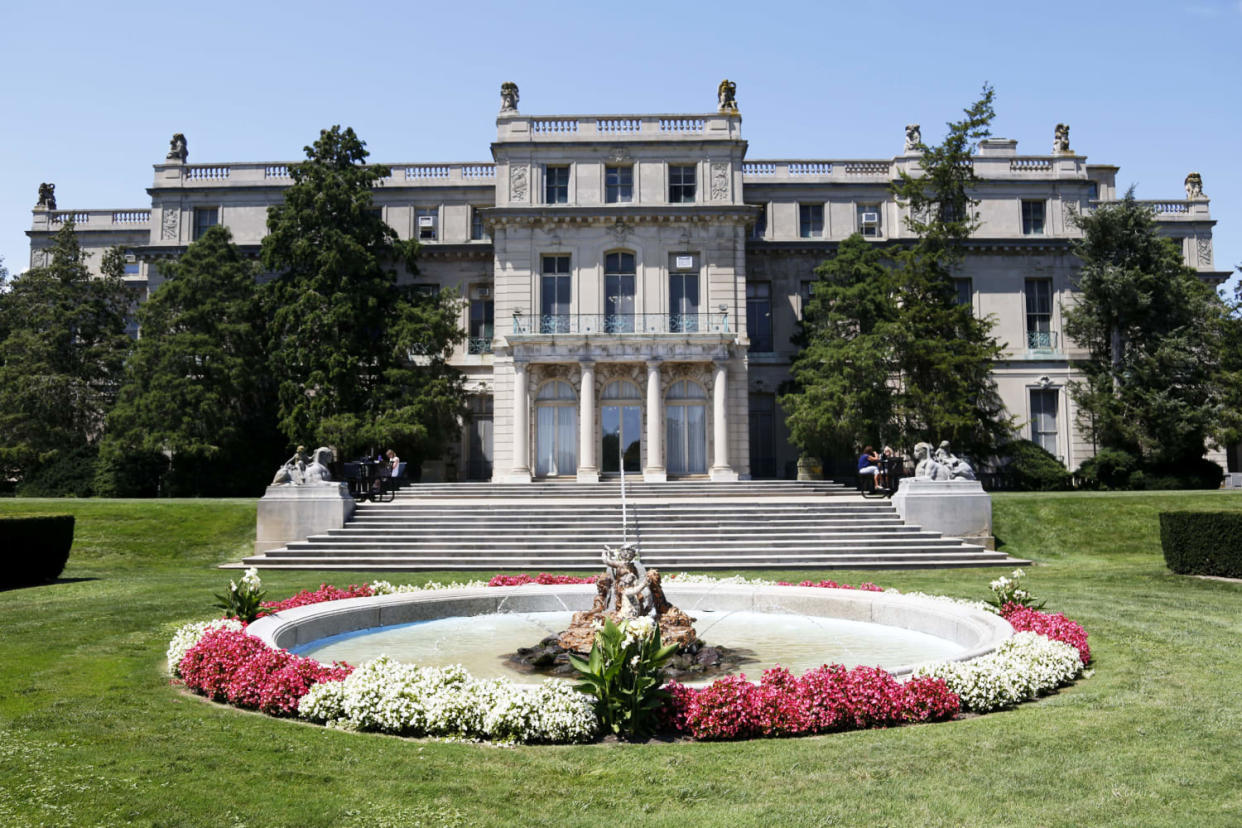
91,733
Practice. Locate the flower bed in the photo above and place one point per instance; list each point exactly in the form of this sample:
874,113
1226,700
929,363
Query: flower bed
220,660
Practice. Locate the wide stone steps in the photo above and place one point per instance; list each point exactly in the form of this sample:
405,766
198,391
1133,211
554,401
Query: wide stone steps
683,525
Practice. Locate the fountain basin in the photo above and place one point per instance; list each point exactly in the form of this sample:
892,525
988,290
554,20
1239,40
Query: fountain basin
972,631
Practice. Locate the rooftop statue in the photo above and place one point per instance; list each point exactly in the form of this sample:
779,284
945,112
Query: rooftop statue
1194,186
178,149
914,137
1060,139
508,97
726,94
47,196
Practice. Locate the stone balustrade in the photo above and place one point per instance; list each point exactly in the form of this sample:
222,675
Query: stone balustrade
97,219
515,127
276,173
1171,209
817,170
1030,164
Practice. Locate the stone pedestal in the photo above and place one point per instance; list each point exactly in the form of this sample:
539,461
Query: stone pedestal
294,513
955,508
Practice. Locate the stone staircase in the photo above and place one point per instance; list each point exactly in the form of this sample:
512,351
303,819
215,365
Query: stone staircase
680,525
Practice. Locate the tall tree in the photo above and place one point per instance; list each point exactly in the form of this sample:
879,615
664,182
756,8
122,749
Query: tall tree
944,353
197,388
360,360
62,348
1152,382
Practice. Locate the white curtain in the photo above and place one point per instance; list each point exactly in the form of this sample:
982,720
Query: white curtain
675,441
545,439
566,440
696,439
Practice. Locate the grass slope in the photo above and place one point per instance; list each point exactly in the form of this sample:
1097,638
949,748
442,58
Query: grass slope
91,733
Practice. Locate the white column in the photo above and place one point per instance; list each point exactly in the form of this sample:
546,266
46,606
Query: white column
655,471
721,470
588,470
521,426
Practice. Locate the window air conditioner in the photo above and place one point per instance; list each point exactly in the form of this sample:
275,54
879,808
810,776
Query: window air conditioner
484,293
426,221
870,218
130,258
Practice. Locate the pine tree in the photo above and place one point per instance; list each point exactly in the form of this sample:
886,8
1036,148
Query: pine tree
360,361
62,350
1154,331
197,388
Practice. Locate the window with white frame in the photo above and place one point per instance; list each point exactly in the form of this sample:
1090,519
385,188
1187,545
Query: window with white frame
619,272
478,232
555,294
205,217
1032,218
426,219
1044,418
618,185
869,220
810,220
556,184
1039,335
681,183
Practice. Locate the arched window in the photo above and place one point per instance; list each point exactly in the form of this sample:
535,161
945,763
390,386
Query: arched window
621,426
686,428
556,430
619,270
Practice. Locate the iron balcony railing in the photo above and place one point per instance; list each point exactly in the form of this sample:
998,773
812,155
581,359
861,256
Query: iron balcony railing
1041,340
479,345
614,324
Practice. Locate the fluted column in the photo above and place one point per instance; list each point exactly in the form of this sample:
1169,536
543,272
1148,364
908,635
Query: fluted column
721,470
588,469
521,426
655,471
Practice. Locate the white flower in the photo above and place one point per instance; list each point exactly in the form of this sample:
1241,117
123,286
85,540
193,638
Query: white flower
189,635
251,580
1022,667
1018,573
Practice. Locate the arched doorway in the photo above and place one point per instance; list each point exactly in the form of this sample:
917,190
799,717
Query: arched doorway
556,430
686,431
621,424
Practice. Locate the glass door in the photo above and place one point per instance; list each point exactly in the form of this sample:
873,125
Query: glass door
686,429
556,431
621,426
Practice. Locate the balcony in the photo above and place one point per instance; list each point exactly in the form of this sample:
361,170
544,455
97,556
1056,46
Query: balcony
479,345
620,324
1042,341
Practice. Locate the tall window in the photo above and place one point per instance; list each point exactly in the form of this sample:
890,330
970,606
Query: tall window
683,293
810,220
1044,418
759,315
681,183
965,289
1039,335
762,435
205,217
618,185
760,228
482,321
685,418
869,220
556,185
479,466
554,295
426,219
556,430
1032,218
477,231
619,292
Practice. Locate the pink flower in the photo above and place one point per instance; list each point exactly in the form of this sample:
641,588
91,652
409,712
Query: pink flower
1052,624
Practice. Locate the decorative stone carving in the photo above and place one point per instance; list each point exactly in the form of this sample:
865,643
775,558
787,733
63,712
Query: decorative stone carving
726,96
1194,186
619,155
1203,251
619,230
914,137
178,148
297,472
517,182
941,464
509,97
1060,140
47,197
168,226
720,181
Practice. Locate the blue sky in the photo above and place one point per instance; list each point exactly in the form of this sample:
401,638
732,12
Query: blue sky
94,90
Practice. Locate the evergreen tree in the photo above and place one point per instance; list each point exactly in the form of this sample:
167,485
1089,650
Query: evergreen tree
197,388
360,361
62,348
1153,331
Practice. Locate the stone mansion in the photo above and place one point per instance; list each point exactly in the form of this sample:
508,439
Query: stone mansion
631,282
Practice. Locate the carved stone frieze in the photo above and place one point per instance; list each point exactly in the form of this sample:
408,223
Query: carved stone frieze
619,155
1203,251
518,182
169,224
720,181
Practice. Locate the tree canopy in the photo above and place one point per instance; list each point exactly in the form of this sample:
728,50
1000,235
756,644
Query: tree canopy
360,360
62,347
1154,331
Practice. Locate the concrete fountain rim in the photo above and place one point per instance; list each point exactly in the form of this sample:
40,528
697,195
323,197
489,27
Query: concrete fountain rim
977,631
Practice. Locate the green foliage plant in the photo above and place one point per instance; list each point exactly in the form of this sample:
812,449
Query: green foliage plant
624,674
1031,468
63,345
1202,543
36,548
1153,381
1008,589
244,599
360,357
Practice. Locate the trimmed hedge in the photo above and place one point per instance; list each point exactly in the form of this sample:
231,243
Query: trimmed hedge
36,549
1202,543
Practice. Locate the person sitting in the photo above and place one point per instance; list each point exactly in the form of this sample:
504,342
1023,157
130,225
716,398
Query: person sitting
868,465
888,466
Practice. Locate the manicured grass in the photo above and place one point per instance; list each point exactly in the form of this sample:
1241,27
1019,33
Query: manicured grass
92,733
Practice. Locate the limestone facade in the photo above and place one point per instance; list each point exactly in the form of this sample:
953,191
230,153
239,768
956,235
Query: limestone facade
631,282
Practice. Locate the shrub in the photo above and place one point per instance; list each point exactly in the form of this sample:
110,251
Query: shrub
37,548
1202,543
1110,469
1032,468
123,472
623,673
1116,469
67,474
